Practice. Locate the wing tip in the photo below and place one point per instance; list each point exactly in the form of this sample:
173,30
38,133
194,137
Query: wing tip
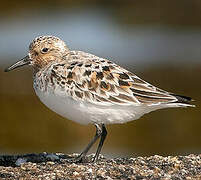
183,100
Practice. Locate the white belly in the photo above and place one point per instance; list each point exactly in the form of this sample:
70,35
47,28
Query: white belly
84,112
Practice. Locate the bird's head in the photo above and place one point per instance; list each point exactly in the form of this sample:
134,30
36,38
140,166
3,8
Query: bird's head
42,51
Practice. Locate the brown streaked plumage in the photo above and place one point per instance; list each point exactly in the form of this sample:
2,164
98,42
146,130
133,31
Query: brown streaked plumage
117,84
88,89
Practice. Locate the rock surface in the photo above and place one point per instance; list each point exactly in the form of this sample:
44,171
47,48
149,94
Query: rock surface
56,166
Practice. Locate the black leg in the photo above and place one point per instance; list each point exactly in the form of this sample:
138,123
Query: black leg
103,136
99,131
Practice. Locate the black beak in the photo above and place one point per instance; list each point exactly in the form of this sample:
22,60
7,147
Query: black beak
25,61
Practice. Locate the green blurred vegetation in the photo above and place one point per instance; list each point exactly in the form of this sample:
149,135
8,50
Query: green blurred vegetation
28,126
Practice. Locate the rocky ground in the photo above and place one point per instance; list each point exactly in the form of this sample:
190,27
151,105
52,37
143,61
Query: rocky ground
55,166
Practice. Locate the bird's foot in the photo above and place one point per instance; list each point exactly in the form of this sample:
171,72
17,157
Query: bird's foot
78,159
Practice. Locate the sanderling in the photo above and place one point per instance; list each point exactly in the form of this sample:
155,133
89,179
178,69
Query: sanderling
88,89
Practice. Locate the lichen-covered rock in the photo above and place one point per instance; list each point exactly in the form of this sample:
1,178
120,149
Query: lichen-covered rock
56,166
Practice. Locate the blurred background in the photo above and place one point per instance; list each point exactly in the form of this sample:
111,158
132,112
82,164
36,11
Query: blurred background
158,40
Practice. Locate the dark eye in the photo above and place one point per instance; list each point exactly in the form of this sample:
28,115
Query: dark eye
44,50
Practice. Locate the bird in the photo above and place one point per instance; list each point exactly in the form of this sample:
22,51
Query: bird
88,89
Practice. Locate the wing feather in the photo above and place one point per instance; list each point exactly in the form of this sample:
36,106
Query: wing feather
100,81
